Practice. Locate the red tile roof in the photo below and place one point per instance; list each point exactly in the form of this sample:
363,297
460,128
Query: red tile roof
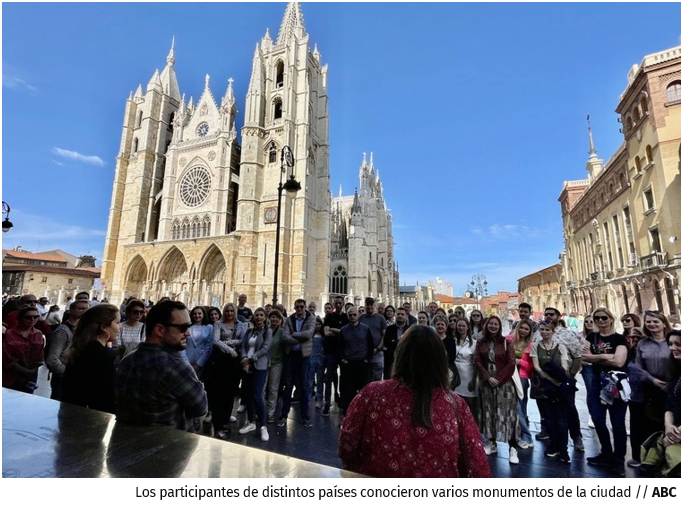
27,255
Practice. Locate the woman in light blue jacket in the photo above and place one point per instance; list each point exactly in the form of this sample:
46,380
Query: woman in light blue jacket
200,340
255,348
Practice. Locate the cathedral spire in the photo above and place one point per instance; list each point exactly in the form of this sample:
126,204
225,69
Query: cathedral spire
594,163
170,59
592,149
230,95
356,206
256,80
292,24
169,83
266,41
155,82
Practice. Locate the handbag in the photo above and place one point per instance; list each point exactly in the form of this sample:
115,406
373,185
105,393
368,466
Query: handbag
516,377
537,388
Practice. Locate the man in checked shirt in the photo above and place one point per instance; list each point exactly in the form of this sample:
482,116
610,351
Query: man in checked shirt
154,384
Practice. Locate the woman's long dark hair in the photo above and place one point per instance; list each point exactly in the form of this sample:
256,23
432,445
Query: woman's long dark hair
421,364
89,326
486,335
205,316
675,365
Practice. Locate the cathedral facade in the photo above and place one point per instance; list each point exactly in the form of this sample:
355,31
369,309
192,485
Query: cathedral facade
193,213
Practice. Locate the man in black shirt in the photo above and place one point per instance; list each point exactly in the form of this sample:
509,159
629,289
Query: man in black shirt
355,349
393,335
242,309
331,329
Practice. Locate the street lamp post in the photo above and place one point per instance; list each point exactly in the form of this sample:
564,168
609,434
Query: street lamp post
478,286
6,223
292,187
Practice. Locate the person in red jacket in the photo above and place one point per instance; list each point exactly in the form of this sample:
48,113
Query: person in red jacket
413,425
22,352
12,319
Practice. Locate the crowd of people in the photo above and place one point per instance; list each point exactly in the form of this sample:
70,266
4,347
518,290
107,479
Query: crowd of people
424,396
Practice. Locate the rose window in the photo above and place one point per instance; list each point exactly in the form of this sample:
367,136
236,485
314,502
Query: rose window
195,186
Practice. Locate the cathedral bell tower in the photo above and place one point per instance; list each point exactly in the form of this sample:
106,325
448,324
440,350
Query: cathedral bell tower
140,165
286,105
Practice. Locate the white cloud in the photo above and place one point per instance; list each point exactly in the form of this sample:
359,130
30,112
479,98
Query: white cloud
75,155
506,232
58,163
34,232
14,82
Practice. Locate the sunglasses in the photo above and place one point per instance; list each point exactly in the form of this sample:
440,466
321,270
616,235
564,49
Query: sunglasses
626,320
549,315
601,318
31,317
653,313
183,327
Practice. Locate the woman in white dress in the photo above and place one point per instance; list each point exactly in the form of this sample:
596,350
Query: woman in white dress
465,363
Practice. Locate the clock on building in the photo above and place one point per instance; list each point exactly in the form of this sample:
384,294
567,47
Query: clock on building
203,129
270,215
195,186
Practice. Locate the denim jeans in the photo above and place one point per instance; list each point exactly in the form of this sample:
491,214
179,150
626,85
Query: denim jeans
588,377
297,374
316,370
253,383
525,434
377,366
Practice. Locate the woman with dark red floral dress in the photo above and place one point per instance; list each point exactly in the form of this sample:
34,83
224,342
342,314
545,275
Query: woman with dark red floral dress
413,426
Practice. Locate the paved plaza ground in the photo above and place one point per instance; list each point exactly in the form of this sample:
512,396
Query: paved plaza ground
319,443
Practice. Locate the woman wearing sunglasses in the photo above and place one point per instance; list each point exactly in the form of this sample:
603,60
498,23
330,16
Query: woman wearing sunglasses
22,352
606,350
224,373
476,324
132,331
629,321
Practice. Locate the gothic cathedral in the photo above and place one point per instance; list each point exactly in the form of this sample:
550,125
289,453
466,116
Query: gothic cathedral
193,213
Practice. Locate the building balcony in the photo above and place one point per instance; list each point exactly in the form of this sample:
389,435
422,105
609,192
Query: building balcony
570,284
654,261
596,276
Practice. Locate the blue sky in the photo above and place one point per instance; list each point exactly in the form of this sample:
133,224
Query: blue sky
476,113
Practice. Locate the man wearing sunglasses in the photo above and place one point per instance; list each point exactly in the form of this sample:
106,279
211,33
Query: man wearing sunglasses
567,338
298,338
154,384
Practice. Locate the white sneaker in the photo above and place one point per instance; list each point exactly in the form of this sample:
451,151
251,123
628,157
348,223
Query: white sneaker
513,456
249,427
241,408
264,434
490,448
232,419
524,445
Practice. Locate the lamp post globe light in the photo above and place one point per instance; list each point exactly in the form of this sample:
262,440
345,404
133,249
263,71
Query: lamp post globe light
6,223
291,186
